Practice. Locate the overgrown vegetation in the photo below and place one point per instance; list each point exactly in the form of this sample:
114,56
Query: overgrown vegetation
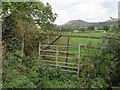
113,56
20,19
20,71
24,69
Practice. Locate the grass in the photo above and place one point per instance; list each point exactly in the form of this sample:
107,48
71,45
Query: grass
90,67
60,84
76,41
83,59
87,34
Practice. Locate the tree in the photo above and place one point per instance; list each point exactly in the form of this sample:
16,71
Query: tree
118,26
112,29
32,12
106,28
90,28
83,29
19,19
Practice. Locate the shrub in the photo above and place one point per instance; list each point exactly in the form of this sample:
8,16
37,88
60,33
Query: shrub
20,71
55,78
113,53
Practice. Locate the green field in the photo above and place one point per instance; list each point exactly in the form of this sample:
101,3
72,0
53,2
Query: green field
87,34
77,41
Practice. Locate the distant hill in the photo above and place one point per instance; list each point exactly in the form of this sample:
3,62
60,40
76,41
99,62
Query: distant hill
80,23
108,23
84,24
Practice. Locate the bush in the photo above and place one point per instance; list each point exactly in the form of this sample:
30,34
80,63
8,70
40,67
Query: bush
98,83
55,78
113,53
20,71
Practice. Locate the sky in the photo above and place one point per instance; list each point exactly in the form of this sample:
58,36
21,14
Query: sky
87,10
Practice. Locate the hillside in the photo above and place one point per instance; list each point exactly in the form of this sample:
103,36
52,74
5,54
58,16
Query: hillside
80,23
85,24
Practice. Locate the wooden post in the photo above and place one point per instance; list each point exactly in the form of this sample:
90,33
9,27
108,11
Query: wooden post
57,56
67,50
78,59
39,50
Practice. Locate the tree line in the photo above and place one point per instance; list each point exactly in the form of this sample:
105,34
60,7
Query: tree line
83,29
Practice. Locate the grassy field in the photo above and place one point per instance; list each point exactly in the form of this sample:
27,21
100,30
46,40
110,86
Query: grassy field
86,63
78,40
85,41
87,34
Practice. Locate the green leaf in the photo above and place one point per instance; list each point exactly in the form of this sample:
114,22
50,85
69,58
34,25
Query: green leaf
19,53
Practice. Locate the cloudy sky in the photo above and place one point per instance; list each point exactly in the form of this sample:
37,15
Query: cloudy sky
88,10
